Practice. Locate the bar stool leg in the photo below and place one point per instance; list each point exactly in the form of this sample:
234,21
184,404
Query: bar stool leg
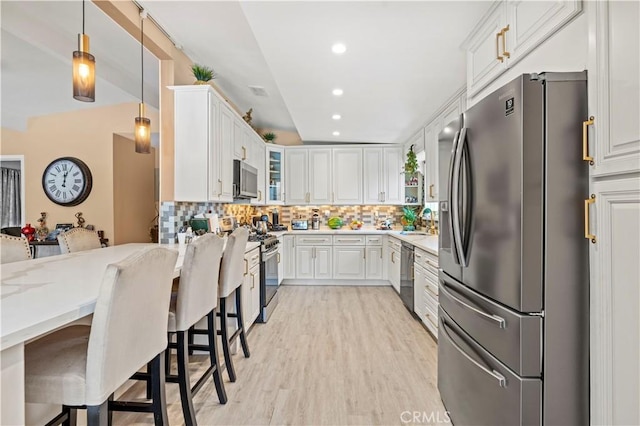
213,356
159,403
240,321
71,416
183,379
98,415
225,339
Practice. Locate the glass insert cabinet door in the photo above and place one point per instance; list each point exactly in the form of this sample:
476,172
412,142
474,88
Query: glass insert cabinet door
275,170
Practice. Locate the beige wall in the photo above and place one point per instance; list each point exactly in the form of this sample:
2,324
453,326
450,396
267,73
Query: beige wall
86,134
283,137
133,192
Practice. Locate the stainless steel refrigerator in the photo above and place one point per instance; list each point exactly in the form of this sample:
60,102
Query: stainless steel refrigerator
514,280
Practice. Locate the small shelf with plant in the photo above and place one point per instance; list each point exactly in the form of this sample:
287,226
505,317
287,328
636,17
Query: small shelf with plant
269,137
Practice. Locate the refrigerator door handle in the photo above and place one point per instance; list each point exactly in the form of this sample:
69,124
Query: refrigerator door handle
454,250
455,197
502,382
492,318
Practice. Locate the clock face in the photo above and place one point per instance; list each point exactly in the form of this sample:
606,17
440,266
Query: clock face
67,181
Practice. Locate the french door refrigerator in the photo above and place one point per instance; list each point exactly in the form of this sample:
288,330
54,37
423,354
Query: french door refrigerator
514,301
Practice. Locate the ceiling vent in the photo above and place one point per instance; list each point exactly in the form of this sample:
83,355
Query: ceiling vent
258,91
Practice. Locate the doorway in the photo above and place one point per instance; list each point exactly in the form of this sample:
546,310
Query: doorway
13,191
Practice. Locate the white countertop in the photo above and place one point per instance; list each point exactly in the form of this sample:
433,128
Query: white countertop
39,295
428,243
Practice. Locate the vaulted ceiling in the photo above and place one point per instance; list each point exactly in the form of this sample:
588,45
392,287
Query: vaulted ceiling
402,61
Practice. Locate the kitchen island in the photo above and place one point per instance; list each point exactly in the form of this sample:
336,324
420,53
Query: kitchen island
39,296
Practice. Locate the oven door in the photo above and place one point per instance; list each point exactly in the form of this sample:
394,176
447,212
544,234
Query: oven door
269,281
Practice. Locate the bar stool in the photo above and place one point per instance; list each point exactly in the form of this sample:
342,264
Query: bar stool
78,239
13,249
197,297
83,366
231,279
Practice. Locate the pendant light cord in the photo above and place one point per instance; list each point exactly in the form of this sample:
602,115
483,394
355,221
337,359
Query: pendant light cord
82,16
141,57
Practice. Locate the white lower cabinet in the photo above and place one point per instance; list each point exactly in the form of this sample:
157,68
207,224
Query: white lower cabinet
322,263
374,265
313,262
393,263
280,259
251,288
615,301
419,284
349,262
288,249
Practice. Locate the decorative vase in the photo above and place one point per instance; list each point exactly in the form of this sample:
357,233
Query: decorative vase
200,82
28,231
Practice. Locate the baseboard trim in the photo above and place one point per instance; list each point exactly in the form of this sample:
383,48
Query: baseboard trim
353,283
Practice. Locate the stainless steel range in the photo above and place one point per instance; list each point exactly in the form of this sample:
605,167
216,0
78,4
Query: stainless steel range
269,279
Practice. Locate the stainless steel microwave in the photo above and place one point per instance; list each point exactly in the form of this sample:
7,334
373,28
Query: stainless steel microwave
245,180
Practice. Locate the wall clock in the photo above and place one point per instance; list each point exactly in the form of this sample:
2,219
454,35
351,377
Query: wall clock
67,181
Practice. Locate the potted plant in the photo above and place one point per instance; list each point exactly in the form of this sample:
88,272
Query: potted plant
408,219
202,74
269,137
411,165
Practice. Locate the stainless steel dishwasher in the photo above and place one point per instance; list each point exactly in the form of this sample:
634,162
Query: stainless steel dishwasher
406,275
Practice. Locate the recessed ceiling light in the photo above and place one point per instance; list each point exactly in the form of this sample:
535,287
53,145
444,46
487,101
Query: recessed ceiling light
337,92
336,116
336,133
338,48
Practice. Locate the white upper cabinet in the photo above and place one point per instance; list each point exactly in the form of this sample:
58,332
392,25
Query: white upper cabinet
296,176
308,176
484,62
225,181
431,172
347,176
203,169
239,141
508,32
257,155
320,176
275,173
393,190
373,177
614,87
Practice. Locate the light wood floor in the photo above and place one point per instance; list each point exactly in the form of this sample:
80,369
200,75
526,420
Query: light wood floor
327,356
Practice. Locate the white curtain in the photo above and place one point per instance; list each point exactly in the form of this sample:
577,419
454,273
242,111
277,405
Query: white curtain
11,210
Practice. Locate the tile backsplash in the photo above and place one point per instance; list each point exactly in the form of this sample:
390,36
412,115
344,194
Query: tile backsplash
174,214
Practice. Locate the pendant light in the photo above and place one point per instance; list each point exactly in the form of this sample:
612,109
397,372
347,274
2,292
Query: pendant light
143,124
84,69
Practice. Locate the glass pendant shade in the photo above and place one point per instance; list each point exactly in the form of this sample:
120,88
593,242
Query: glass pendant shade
84,71
143,133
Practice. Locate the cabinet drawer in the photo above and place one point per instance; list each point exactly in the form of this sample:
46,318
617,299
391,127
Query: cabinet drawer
430,300
426,260
251,259
394,244
349,240
315,240
430,319
374,240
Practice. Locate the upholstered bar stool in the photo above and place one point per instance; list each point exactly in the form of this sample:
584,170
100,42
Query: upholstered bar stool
197,297
13,249
81,367
78,239
231,279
